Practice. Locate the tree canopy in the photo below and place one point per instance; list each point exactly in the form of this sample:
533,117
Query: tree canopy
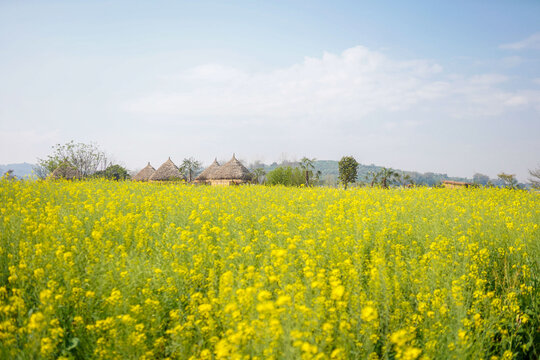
189,167
348,167
509,180
285,175
113,172
86,158
308,166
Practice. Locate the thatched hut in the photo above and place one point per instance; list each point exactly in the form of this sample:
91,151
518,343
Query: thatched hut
456,184
145,174
207,174
231,173
65,171
167,172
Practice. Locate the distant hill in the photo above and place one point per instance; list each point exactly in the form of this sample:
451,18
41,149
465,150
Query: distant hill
19,170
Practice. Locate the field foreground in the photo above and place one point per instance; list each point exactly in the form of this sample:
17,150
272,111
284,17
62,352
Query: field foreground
136,270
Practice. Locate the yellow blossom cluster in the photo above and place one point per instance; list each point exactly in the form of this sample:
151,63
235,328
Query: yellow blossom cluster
122,270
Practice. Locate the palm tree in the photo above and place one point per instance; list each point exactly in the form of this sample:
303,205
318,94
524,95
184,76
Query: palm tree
387,176
258,175
405,179
372,177
307,165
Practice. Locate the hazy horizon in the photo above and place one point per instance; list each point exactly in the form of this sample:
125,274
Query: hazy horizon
447,88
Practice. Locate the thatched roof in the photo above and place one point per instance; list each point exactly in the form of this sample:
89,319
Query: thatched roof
145,173
450,182
167,171
232,170
208,172
65,171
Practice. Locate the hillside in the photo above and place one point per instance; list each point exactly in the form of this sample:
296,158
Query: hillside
19,170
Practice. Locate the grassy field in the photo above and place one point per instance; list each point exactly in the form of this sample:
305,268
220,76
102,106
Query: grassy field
121,270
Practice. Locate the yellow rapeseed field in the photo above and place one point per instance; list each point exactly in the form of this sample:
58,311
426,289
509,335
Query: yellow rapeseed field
122,270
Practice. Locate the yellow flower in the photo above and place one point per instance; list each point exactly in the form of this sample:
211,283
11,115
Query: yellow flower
205,308
337,292
369,314
411,353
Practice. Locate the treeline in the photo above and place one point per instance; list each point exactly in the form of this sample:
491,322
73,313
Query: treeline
91,162
327,174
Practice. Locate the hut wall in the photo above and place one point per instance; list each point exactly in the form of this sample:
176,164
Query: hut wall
226,182
455,185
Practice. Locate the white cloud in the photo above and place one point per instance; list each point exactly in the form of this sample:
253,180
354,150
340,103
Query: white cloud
336,87
532,42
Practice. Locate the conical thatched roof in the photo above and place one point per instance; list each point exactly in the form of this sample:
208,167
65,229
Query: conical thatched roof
232,170
167,171
65,171
145,173
208,172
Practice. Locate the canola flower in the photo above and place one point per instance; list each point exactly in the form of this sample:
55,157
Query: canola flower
116,270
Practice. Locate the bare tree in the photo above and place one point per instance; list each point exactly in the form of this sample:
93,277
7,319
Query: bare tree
509,180
86,158
535,178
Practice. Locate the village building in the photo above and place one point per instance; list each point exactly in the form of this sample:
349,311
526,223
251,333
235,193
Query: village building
206,175
168,171
65,171
455,184
145,173
231,173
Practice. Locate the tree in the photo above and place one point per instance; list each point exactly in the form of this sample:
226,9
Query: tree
258,175
307,165
509,180
8,175
405,179
387,176
348,168
285,175
318,175
113,172
190,166
480,179
372,177
86,158
535,179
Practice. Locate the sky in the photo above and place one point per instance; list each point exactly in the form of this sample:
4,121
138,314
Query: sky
444,86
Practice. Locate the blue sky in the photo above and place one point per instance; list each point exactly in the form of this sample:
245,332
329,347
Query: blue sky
450,87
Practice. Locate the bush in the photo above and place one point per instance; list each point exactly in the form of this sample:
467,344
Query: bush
113,172
286,176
